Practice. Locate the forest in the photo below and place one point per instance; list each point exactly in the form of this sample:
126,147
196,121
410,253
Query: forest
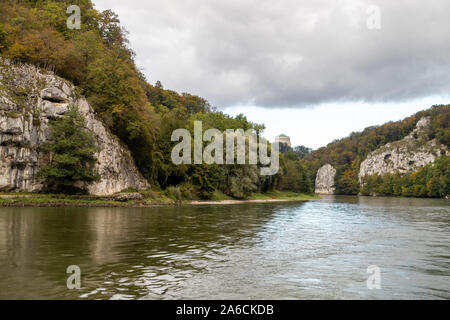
432,180
98,59
346,155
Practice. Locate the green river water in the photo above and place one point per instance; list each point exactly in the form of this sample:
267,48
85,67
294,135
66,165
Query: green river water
312,250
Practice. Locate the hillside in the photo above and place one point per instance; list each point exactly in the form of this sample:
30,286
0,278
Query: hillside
30,100
99,64
395,147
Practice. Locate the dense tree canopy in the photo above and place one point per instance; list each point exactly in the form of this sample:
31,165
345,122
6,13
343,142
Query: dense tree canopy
347,154
433,180
98,60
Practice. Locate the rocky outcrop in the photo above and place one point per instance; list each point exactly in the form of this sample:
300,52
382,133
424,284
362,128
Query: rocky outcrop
29,98
325,180
407,155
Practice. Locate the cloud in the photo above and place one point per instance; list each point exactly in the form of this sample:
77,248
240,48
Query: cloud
291,53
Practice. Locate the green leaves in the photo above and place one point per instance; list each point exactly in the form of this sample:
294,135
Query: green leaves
343,154
71,148
99,62
295,177
2,38
432,180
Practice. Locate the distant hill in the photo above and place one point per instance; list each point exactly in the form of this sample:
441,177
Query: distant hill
346,155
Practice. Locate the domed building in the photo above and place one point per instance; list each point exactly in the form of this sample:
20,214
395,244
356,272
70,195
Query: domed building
283,139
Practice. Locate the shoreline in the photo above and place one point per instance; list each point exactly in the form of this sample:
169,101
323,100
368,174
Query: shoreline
43,201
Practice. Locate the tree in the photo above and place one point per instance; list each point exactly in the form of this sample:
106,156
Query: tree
239,181
110,29
159,85
284,148
295,177
72,149
348,183
54,14
112,81
302,151
195,104
2,38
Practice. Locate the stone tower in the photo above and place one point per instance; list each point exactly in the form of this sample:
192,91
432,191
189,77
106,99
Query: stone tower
283,139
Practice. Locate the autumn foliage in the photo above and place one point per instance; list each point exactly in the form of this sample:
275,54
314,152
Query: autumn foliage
98,60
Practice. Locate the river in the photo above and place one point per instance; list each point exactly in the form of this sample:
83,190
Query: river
312,250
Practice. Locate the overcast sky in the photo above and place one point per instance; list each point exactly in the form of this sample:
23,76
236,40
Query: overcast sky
297,65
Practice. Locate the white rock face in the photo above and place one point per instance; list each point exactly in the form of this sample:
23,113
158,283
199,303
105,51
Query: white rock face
325,180
404,156
30,97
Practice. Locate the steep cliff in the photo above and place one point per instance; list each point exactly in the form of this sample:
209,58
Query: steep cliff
407,155
29,98
325,180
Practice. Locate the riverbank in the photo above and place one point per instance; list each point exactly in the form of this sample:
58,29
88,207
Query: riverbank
155,199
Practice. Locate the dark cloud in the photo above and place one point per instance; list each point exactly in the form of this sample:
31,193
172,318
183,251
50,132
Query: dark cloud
291,53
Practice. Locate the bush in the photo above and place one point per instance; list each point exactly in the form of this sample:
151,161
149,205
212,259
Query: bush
187,191
173,193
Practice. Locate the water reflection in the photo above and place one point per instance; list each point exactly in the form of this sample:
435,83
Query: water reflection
318,249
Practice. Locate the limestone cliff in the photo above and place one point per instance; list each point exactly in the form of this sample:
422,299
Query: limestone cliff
407,155
29,98
325,180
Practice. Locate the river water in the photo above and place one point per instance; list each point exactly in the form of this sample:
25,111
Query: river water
313,250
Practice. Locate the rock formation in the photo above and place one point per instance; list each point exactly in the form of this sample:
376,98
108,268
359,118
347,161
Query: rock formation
325,180
29,98
406,155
